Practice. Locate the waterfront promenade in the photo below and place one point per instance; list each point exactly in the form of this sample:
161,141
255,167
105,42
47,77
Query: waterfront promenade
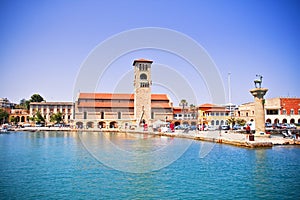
225,137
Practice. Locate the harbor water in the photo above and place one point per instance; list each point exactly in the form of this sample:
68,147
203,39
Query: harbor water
60,165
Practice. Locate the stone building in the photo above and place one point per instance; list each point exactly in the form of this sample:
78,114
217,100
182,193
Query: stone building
246,111
113,110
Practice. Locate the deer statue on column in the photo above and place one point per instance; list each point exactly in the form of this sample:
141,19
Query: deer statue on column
258,81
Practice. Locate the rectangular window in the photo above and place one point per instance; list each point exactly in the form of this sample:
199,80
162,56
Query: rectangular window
272,112
119,115
284,111
292,111
84,115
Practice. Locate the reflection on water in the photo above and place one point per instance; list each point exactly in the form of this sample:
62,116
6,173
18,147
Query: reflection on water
129,153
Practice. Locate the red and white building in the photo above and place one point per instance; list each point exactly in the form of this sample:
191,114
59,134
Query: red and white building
277,110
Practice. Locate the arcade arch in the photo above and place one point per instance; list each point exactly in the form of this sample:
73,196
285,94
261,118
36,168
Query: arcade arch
102,124
90,124
79,124
113,124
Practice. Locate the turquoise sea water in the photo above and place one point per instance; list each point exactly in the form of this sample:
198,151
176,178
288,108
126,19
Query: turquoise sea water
56,165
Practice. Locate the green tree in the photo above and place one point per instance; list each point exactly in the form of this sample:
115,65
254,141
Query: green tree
38,118
231,121
3,116
240,121
36,98
24,104
56,117
193,109
14,120
184,104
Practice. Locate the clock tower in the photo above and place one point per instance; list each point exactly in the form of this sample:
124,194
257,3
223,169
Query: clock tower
142,90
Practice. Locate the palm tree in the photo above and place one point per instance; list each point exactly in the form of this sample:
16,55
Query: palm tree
183,103
192,108
231,121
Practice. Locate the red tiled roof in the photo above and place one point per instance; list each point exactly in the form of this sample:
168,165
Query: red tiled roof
160,105
51,103
217,110
159,97
142,60
177,111
110,100
118,105
105,96
119,96
207,105
108,104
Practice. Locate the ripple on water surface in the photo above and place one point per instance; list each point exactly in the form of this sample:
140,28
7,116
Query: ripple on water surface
55,165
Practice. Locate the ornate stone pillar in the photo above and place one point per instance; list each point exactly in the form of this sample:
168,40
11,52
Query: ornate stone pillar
259,109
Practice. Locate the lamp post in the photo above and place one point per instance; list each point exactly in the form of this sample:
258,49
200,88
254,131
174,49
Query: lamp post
229,94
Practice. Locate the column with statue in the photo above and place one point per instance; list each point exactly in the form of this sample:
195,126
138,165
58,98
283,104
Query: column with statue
258,92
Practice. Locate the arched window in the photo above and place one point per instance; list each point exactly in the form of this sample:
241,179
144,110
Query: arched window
143,77
217,122
212,122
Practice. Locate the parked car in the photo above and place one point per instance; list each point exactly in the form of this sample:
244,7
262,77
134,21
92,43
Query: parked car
210,128
225,127
237,127
179,127
26,125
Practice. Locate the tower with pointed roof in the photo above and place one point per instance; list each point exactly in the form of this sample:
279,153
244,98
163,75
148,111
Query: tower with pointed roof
142,90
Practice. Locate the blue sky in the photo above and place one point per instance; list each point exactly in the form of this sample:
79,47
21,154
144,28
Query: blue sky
44,43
